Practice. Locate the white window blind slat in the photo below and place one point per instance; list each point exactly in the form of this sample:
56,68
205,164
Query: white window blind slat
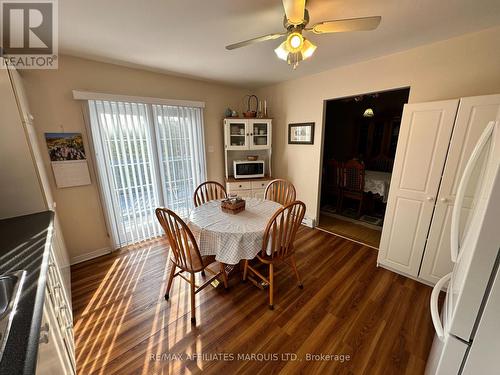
181,145
125,173
147,228
102,159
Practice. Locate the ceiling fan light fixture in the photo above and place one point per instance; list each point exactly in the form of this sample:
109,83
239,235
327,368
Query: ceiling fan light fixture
294,58
294,42
368,113
281,51
295,55
308,49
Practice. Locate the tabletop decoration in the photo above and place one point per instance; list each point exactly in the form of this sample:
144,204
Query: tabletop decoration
233,205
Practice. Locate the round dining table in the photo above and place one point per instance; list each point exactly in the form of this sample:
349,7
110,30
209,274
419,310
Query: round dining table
231,237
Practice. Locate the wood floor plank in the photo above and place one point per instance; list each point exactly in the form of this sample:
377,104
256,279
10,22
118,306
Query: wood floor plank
351,229
348,306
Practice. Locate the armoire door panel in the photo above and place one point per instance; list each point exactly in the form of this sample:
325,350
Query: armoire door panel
435,264
406,211
420,157
421,150
473,116
20,190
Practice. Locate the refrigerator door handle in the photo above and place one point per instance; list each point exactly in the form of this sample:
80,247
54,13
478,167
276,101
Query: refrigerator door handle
464,181
436,319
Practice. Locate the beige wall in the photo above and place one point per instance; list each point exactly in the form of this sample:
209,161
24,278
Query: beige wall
52,104
463,66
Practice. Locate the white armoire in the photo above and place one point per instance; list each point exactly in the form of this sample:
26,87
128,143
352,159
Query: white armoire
435,142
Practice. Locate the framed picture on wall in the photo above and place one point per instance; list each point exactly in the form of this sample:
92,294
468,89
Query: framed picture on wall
301,134
68,159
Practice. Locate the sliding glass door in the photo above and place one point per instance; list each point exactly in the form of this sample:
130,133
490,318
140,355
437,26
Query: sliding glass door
147,156
182,161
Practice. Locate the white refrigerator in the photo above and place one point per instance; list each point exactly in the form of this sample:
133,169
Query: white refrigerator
467,339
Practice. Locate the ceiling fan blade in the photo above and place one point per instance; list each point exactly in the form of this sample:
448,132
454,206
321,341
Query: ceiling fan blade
255,40
349,24
294,11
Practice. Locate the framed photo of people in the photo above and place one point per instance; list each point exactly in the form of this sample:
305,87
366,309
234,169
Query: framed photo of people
68,159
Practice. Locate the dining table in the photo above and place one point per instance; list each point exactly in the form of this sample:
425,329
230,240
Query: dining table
231,237
378,182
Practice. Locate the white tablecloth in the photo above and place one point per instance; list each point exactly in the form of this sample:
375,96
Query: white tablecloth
231,238
378,183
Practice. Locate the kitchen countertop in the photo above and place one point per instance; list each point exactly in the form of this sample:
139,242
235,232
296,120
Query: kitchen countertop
265,178
25,245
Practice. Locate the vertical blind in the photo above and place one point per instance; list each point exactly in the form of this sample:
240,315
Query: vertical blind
182,161
147,156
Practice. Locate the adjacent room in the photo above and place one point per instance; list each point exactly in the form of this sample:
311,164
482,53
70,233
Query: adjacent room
267,186
359,145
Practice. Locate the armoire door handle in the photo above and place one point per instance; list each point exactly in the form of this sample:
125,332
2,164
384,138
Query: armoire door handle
444,200
430,199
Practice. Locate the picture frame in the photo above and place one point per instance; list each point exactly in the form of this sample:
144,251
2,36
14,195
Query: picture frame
301,133
65,146
68,159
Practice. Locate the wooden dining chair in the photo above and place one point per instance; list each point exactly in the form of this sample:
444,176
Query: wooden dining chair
353,183
280,191
277,245
208,191
185,255
381,163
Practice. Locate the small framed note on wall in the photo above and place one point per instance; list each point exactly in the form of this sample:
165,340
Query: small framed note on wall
301,134
68,159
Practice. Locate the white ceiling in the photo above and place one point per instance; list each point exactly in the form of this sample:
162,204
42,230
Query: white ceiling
187,37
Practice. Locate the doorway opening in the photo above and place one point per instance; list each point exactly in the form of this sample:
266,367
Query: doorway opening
359,145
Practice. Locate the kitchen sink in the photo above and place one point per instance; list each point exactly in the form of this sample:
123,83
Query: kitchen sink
10,291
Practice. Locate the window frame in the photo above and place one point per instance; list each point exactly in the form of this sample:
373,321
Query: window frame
106,199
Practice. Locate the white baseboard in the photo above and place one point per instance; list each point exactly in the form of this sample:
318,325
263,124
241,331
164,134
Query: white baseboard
91,255
346,238
308,222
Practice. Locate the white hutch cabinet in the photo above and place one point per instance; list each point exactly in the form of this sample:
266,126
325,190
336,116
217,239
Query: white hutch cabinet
247,134
244,137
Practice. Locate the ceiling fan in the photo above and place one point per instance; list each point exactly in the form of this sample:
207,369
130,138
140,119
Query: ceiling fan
296,47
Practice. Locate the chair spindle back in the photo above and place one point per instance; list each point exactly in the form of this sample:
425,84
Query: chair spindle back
182,242
280,191
281,230
353,176
208,191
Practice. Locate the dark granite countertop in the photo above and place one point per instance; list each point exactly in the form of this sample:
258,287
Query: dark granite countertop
25,245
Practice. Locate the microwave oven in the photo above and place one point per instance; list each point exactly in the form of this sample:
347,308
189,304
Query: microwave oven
248,169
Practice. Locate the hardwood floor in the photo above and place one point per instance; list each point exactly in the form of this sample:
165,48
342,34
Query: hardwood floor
357,232
348,307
